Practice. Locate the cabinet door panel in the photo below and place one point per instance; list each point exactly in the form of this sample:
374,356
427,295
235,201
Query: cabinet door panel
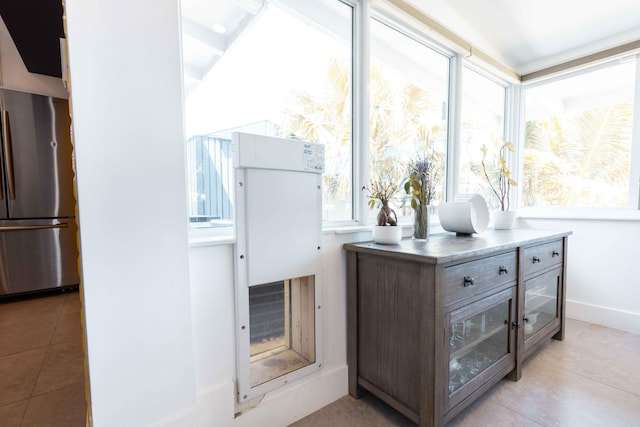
541,305
481,343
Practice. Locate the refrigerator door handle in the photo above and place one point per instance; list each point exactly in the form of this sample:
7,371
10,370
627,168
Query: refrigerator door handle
6,139
33,227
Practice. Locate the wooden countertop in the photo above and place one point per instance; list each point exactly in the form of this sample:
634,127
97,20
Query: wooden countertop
449,247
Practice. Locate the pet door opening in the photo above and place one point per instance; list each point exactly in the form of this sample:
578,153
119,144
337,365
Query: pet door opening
282,328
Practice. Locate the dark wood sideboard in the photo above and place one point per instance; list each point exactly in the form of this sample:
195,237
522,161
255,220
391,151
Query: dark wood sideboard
432,326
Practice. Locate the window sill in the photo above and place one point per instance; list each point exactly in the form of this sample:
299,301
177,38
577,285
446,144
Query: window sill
203,238
586,214
355,228
200,237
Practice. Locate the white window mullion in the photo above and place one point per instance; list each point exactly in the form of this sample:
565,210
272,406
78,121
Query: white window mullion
634,172
360,136
454,126
514,132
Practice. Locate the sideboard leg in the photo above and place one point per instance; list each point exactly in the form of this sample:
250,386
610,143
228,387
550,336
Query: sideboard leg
352,325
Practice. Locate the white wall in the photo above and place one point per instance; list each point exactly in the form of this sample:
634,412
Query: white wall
603,285
128,132
213,324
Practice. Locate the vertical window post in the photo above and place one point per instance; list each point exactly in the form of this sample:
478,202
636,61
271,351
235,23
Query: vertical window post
634,182
361,110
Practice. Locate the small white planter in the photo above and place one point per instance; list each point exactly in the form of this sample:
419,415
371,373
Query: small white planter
504,220
387,235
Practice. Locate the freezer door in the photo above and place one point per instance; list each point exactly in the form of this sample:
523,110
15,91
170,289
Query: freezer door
37,255
37,156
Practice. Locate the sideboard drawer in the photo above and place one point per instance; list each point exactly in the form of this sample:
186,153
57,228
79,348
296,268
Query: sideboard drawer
471,278
541,257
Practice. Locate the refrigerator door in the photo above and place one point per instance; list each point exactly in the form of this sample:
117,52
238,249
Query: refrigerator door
3,185
37,255
37,156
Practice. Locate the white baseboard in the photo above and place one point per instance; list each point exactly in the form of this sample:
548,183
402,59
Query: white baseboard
604,316
281,408
213,408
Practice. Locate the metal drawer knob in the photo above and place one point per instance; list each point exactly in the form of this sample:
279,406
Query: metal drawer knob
535,259
503,270
555,253
468,281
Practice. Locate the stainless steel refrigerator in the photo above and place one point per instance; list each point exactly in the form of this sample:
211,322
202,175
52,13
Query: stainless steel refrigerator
38,244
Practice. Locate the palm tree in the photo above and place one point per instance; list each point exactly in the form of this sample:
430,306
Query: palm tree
326,119
580,159
400,116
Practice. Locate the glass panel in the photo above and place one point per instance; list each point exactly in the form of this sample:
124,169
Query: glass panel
540,304
278,71
578,139
408,95
482,124
209,182
282,328
477,342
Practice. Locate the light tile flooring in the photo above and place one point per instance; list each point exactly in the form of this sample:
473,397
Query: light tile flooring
592,378
41,362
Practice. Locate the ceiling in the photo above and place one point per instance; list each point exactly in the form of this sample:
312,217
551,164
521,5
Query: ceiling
209,29
526,35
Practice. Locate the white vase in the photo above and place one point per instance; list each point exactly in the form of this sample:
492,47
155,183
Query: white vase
504,220
386,234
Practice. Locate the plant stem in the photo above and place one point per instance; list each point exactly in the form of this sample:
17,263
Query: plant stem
486,175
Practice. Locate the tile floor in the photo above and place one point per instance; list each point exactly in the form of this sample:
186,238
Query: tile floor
592,378
42,362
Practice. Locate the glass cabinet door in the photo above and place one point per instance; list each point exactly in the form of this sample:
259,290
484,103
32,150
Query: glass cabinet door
479,337
540,302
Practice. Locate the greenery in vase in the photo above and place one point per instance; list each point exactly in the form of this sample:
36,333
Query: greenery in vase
502,187
381,190
420,186
421,183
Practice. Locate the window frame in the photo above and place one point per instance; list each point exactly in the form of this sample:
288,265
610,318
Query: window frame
632,211
509,122
416,33
514,125
199,235
361,16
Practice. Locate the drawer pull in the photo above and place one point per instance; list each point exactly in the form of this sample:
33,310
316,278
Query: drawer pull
503,270
526,319
535,259
468,281
555,253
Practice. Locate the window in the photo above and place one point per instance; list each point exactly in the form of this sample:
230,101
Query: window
408,104
282,70
578,141
482,117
